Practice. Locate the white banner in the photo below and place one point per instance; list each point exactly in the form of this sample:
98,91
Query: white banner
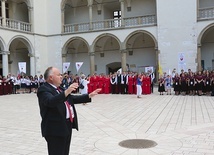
150,68
65,66
181,62
78,65
181,58
22,67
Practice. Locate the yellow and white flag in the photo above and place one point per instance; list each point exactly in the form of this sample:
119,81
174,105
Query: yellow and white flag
160,71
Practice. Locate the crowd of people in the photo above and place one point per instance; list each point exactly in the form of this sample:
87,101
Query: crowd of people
185,83
12,84
116,83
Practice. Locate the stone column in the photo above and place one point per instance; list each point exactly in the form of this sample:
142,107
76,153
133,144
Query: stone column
199,58
32,64
90,3
156,62
198,13
122,13
3,12
62,19
160,72
30,16
92,62
123,60
5,65
64,57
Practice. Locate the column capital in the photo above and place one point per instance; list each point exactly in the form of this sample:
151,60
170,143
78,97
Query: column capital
123,51
3,0
91,53
5,52
31,55
121,0
199,45
64,55
90,3
30,8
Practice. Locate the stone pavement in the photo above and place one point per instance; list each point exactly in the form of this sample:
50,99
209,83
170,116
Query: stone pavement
180,125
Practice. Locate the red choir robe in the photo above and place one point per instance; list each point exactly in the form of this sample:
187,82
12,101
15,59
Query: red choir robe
10,87
94,82
89,86
147,85
101,80
130,85
143,84
1,88
106,85
5,88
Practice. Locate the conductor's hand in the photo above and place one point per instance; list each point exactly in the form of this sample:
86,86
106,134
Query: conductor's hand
71,88
95,92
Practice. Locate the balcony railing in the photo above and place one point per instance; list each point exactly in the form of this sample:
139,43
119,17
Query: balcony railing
106,24
76,27
206,13
18,25
140,21
111,24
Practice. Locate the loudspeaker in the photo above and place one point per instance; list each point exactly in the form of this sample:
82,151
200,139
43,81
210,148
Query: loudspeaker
101,54
99,12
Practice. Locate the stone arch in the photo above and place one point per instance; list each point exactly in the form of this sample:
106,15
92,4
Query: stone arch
63,2
21,50
141,31
142,50
205,57
28,2
25,41
2,44
72,39
106,35
202,33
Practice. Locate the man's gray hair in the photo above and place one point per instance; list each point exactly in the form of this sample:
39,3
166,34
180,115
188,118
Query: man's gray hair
48,72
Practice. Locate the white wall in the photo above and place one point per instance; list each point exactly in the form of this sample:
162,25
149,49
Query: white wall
40,17
42,52
53,19
177,32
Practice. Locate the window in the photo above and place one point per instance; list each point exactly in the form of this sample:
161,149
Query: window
117,17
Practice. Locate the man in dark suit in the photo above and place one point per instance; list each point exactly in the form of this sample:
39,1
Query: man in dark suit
58,111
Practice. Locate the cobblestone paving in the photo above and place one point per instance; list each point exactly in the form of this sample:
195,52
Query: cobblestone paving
180,125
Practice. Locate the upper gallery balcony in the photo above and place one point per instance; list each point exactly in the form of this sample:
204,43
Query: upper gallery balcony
206,13
206,10
99,15
147,20
15,15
